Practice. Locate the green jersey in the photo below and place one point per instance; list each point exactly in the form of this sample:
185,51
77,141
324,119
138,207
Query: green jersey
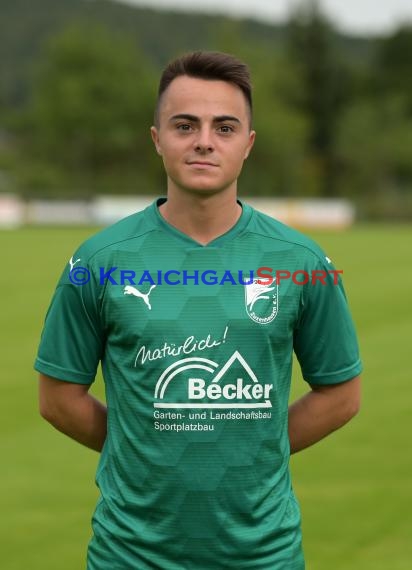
196,344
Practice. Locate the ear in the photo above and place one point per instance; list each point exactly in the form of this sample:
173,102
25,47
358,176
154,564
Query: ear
155,138
251,142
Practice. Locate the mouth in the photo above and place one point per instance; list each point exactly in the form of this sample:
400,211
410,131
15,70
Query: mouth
201,164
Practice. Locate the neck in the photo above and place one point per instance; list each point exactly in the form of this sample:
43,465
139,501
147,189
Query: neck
203,218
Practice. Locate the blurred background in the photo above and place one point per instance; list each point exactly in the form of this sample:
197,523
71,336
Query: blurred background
333,112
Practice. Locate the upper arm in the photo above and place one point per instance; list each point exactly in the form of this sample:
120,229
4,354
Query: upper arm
325,340
57,395
351,386
73,338
346,395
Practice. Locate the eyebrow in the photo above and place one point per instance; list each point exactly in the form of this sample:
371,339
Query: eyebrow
194,119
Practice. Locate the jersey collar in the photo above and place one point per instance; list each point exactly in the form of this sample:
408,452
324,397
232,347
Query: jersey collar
236,230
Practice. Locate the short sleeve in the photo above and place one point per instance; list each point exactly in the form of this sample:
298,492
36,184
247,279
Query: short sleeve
72,340
325,341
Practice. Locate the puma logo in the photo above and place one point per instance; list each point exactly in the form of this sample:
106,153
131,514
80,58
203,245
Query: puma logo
129,290
73,263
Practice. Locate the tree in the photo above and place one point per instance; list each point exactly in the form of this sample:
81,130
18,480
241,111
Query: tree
374,149
394,64
277,165
312,48
91,113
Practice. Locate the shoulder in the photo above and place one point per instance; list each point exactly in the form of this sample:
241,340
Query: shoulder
129,229
280,234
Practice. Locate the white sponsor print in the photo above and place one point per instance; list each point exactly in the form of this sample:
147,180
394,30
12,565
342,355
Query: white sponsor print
265,298
245,392
188,346
129,290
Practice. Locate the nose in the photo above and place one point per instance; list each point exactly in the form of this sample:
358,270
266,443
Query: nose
204,142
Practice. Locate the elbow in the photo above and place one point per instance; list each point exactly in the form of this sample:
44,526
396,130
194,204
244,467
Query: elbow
353,409
352,402
49,409
49,401
350,409
46,411
357,406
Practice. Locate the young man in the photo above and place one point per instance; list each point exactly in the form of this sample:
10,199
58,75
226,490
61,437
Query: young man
195,339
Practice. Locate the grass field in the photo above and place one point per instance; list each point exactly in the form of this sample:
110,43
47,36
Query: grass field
355,487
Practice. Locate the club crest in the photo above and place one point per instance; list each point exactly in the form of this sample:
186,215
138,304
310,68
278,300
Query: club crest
261,302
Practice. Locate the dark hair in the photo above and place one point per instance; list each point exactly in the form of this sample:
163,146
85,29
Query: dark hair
213,65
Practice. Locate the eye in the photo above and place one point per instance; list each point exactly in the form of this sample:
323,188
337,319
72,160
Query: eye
226,129
184,127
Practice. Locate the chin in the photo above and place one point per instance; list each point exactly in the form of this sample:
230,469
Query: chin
204,190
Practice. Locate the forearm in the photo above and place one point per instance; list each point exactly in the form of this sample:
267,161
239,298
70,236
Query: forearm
322,411
78,415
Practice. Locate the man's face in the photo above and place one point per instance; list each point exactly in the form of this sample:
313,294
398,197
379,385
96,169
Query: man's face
203,134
